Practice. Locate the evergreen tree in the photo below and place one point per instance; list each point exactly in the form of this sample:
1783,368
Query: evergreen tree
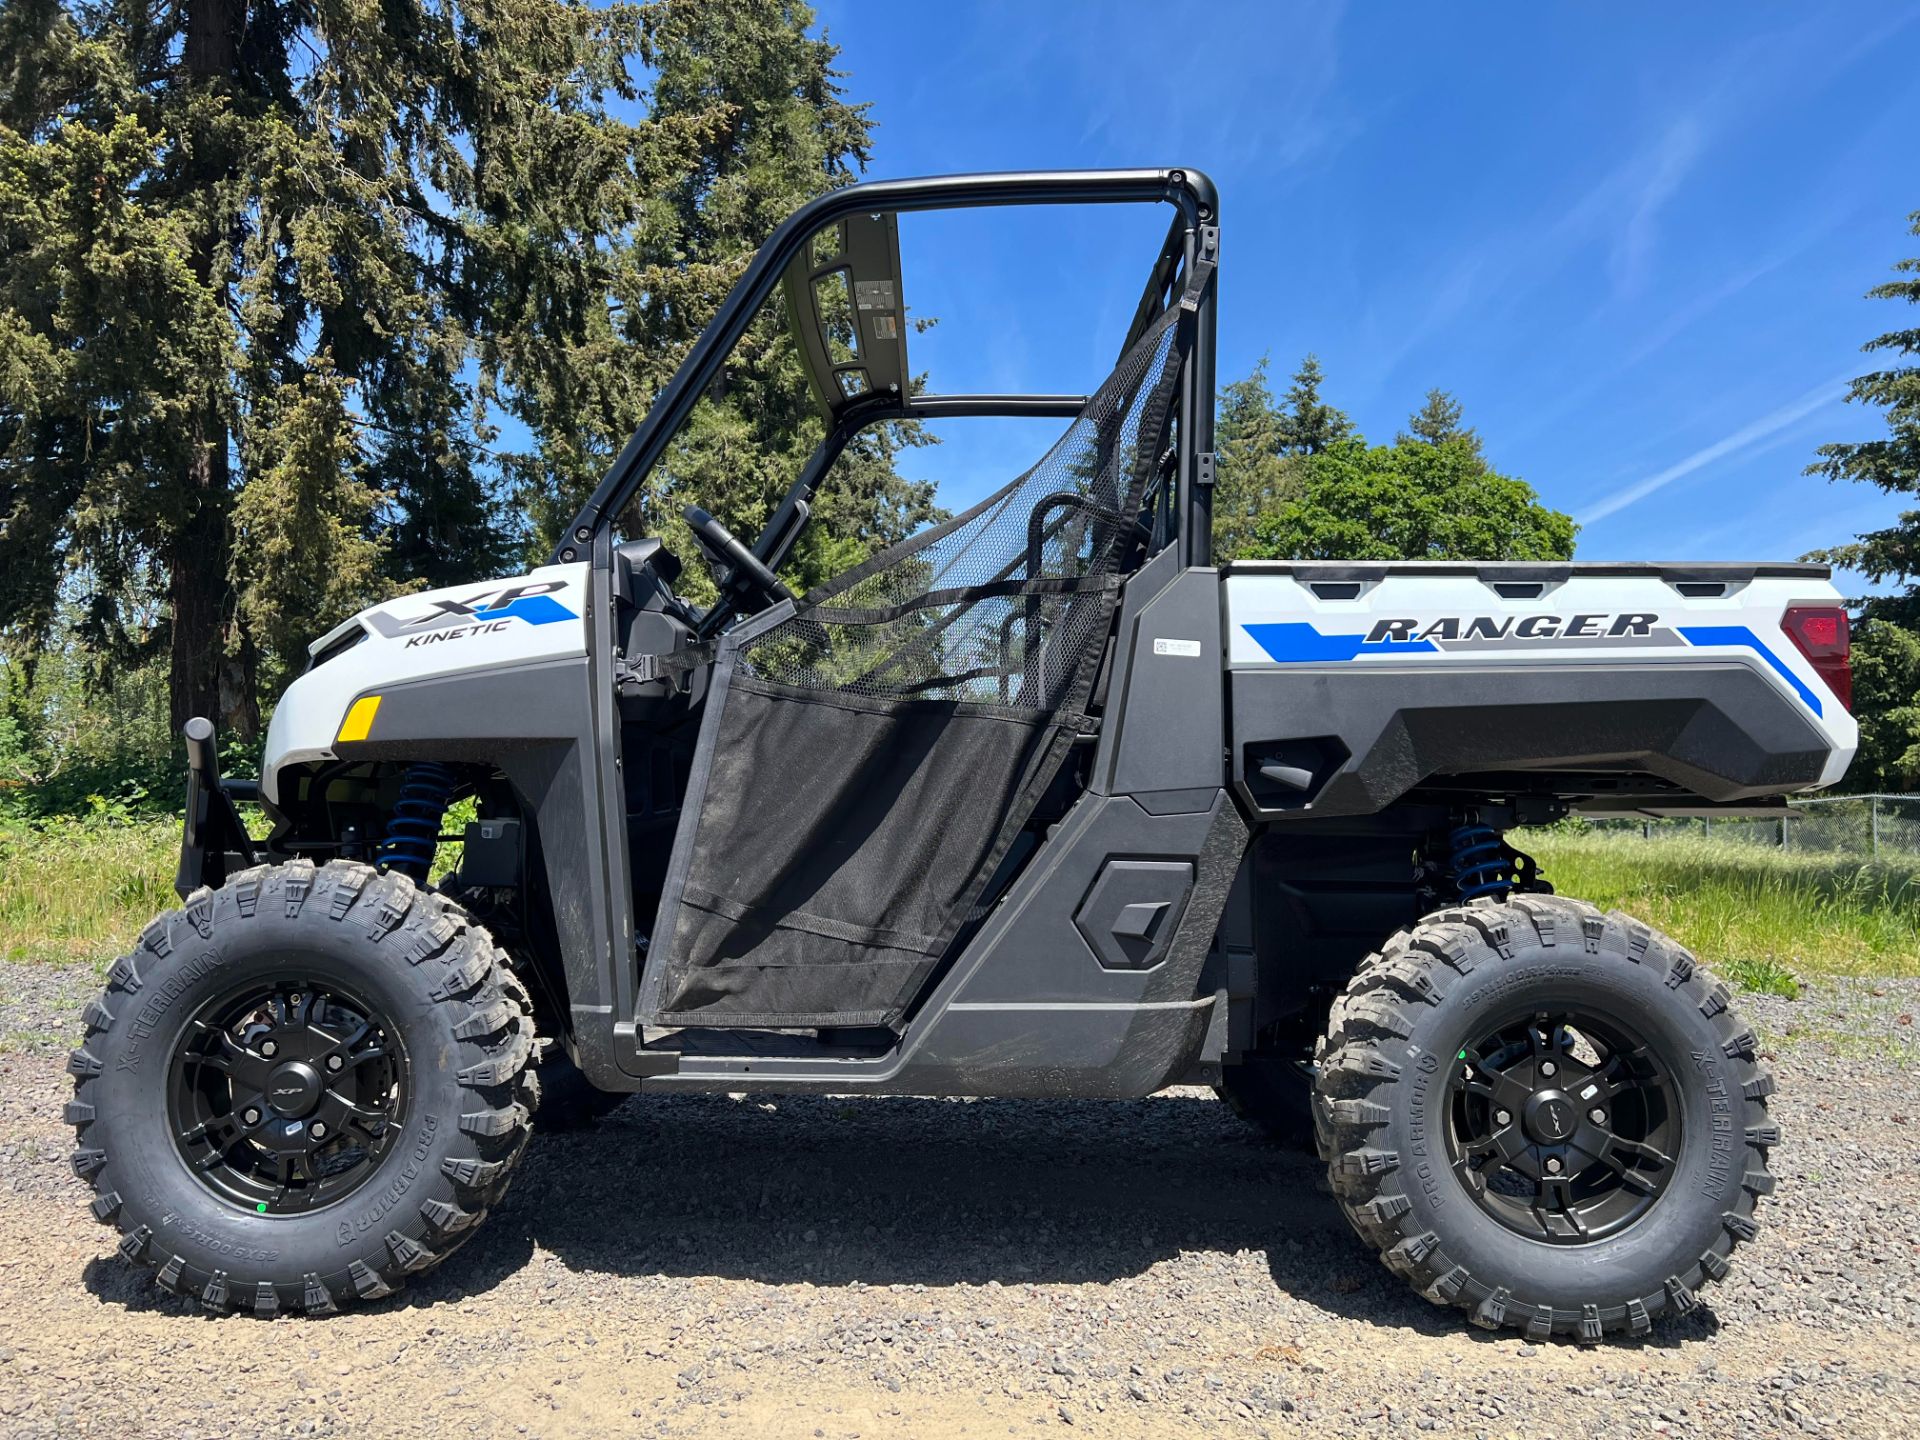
1891,462
1437,422
1886,702
1297,481
1253,472
1886,641
268,267
1308,424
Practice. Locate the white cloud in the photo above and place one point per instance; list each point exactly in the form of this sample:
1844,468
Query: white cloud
1654,180
1744,438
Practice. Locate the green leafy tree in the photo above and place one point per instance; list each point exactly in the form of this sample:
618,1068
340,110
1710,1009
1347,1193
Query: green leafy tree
1437,421
1412,502
1308,425
271,271
1253,471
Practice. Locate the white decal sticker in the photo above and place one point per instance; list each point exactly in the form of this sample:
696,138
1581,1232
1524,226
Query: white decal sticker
1189,648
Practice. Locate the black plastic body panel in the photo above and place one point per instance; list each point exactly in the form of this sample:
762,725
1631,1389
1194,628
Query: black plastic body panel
1132,912
537,724
1319,900
1715,729
1027,1009
1163,728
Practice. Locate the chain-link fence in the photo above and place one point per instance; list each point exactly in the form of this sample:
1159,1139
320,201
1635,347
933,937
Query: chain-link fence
1869,825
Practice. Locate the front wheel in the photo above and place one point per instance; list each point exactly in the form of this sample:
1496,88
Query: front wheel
302,1088
1545,1116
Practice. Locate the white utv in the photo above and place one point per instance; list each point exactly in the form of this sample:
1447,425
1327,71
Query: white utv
1039,802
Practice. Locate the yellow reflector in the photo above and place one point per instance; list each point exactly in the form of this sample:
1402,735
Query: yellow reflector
359,719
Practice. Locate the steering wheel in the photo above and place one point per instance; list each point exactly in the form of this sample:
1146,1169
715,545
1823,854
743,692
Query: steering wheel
742,572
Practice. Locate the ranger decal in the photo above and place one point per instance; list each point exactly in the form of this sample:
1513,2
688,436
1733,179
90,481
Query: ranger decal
1296,642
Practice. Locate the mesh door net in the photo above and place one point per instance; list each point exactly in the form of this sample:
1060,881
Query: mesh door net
865,761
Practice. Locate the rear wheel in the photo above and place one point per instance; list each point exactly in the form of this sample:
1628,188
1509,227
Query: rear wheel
1545,1116
301,1088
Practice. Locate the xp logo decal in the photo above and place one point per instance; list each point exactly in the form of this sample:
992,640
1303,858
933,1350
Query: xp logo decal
484,614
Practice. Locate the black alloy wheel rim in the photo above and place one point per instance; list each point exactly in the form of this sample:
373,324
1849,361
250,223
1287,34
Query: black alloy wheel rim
287,1095
1562,1125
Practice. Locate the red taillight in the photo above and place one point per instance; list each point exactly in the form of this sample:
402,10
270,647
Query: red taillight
1820,633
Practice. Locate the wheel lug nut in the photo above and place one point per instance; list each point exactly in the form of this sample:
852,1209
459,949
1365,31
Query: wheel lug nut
251,1116
1547,1067
1553,1165
269,1048
1503,1117
334,1062
1597,1115
318,1130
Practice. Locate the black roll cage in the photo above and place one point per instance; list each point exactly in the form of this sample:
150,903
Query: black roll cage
1194,234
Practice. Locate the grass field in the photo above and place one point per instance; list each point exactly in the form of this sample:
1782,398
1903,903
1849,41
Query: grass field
1760,917
78,893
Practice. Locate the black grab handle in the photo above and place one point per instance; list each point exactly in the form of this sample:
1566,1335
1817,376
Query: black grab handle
203,757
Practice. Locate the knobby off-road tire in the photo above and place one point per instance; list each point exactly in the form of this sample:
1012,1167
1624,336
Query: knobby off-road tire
569,1102
1402,1078
393,983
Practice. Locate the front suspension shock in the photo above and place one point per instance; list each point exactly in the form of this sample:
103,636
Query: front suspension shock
413,829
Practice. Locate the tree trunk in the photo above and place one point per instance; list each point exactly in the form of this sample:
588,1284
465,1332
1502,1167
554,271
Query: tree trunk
197,586
212,666
213,661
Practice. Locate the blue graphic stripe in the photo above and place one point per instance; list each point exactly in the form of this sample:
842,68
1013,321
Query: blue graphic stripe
1741,635
1294,641
534,609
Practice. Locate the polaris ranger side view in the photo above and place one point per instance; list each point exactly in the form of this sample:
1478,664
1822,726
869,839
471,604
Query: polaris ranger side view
1039,802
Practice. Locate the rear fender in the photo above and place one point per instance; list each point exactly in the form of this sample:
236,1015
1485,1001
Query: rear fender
1364,680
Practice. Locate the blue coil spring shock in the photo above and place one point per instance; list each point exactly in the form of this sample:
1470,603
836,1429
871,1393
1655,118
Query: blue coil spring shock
1480,862
413,830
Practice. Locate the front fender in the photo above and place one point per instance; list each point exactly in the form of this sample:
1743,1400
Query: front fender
492,626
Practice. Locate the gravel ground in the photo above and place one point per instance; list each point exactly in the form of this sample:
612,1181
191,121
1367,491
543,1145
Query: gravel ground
831,1268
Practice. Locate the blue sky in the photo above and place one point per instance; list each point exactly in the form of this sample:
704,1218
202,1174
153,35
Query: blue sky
1632,242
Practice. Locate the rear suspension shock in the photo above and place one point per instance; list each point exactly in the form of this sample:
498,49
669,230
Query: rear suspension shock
413,829
1482,864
